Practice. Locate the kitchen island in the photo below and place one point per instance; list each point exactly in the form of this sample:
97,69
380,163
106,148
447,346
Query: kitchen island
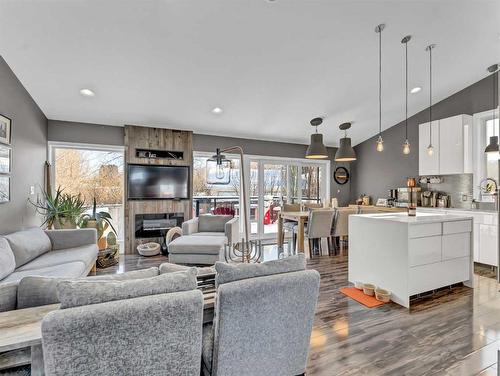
410,255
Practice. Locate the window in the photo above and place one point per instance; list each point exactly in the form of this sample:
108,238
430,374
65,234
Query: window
94,172
213,198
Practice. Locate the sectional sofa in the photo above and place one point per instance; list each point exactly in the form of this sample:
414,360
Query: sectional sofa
35,252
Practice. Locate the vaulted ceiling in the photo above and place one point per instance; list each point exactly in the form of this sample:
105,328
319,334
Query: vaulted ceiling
270,65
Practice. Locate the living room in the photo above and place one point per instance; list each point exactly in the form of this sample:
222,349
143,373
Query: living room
249,187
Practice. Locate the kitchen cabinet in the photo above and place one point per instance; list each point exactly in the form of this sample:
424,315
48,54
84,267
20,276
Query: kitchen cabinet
484,232
428,164
452,141
488,244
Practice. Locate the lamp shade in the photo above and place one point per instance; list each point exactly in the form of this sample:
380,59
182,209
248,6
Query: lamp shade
345,152
218,170
316,149
492,146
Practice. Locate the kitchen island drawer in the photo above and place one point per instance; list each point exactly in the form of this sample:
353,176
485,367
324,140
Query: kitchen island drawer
440,274
423,251
422,230
456,245
456,227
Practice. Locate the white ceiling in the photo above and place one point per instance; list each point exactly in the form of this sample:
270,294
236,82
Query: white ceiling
272,66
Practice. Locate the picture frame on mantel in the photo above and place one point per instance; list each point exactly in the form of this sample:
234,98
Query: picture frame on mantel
5,129
4,189
5,159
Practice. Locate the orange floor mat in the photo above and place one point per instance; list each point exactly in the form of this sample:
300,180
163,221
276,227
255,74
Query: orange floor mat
360,297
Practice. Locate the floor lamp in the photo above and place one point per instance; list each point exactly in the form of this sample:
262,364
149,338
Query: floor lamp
219,172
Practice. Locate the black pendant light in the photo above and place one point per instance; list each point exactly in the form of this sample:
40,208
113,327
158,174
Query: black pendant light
316,149
345,152
406,143
430,148
492,147
380,141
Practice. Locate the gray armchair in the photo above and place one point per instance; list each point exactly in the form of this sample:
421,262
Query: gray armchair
214,225
149,335
262,325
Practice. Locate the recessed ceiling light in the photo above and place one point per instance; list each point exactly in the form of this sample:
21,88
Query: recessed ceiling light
415,90
87,93
217,110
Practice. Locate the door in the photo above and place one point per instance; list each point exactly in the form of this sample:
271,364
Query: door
451,146
428,164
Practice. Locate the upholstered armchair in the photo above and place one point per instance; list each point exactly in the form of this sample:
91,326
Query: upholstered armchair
214,225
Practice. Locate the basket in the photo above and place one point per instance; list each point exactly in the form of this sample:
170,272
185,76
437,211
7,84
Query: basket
107,257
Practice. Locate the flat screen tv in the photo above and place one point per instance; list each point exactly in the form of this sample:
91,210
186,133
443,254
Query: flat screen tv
152,182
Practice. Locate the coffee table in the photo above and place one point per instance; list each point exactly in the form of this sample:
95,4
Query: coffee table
22,328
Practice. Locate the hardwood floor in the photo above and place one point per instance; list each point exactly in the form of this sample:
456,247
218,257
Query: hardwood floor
455,332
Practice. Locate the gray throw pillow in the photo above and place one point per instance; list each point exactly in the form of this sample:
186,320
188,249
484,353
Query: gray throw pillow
84,292
168,267
36,291
213,223
234,272
28,244
7,260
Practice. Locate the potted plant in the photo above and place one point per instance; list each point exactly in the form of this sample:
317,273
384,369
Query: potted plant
61,211
101,221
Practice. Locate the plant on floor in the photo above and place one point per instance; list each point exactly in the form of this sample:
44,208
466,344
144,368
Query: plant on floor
61,210
101,221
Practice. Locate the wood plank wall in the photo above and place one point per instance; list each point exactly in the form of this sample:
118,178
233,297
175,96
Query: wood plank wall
138,137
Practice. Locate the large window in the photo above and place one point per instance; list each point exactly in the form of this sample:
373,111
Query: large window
270,183
93,172
213,198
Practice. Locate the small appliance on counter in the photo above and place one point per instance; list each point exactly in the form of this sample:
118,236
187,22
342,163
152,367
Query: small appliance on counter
382,202
435,199
407,196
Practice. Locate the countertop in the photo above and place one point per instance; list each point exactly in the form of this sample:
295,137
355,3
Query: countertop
485,211
418,219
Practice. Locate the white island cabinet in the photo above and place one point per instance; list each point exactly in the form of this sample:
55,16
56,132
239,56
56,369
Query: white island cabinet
410,255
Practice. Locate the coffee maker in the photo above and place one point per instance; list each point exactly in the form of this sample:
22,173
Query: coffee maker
393,197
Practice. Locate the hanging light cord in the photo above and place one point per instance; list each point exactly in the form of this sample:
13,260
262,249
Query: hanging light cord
380,82
406,92
430,95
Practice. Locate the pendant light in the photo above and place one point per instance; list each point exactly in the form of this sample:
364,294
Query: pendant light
430,148
492,147
345,152
406,143
380,141
316,149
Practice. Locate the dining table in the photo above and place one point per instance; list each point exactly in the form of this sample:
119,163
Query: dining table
297,216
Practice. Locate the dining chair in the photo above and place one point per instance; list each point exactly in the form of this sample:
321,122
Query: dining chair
312,205
340,228
319,226
288,224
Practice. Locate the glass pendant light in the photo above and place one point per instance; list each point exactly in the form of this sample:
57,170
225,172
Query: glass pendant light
345,152
430,148
218,169
492,147
406,143
380,140
316,149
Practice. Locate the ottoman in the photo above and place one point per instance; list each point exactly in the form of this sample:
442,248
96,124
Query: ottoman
197,249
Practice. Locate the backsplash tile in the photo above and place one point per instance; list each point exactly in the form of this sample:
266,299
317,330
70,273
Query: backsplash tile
456,186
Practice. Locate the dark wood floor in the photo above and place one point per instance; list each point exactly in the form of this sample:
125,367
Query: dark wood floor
456,332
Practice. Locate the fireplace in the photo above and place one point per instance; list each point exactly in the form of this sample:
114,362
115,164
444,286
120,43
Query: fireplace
156,225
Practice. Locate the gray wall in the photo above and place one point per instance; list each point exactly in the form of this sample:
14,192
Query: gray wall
68,131
374,173
29,151
64,131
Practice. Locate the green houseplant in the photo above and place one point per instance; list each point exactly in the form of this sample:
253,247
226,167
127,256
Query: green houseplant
101,221
61,210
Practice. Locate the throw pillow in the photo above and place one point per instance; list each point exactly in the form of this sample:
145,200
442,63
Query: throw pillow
213,223
7,259
28,244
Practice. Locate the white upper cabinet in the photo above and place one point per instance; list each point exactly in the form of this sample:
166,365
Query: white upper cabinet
428,164
452,141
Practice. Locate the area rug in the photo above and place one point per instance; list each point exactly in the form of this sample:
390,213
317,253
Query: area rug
360,297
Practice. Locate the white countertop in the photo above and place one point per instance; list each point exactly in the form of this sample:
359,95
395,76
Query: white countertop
418,219
479,211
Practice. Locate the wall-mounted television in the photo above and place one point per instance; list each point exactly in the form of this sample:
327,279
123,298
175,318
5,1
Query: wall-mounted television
156,182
